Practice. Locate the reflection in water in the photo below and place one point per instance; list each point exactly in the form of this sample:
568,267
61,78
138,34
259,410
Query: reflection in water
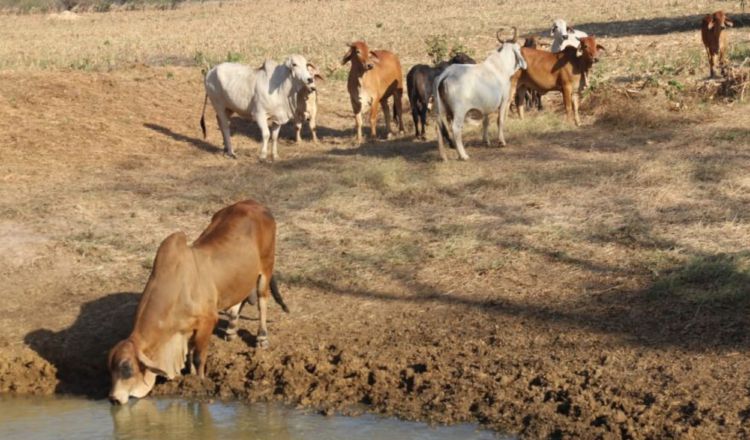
163,419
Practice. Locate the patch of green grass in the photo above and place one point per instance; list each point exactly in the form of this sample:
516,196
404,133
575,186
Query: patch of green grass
738,52
705,279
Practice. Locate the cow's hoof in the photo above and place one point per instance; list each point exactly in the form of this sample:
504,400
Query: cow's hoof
230,337
463,157
423,137
230,155
263,343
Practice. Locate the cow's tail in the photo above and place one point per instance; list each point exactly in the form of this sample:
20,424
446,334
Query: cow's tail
442,113
277,295
203,116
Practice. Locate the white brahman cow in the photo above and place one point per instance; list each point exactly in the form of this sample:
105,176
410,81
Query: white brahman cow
564,36
484,87
268,95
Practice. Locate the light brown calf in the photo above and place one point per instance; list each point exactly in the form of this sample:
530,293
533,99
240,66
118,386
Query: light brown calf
374,77
189,284
715,39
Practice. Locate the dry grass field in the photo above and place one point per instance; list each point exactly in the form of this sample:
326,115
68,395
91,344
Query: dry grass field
588,282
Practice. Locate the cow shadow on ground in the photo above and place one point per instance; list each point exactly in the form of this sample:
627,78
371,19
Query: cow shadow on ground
649,26
406,148
195,142
701,305
251,130
79,353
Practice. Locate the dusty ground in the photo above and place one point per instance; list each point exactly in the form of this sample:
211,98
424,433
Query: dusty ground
589,282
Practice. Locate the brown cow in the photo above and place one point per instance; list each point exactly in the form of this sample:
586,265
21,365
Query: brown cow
374,77
230,261
715,39
563,71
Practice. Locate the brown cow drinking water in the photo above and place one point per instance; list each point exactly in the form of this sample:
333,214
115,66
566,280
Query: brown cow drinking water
231,261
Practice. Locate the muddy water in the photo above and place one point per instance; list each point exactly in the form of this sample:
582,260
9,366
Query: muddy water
56,418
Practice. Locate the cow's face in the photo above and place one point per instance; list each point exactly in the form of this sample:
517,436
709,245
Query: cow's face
721,20
314,72
559,30
590,49
360,54
130,375
297,64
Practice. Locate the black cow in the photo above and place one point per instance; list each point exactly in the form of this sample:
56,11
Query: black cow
419,86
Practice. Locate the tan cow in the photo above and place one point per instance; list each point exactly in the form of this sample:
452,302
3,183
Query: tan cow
375,76
564,71
231,261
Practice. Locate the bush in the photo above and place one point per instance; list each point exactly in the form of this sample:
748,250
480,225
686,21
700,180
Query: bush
438,48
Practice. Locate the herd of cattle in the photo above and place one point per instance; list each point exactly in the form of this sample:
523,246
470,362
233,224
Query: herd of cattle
232,261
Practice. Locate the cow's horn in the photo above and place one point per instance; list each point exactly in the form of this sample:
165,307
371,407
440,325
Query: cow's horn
515,34
497,35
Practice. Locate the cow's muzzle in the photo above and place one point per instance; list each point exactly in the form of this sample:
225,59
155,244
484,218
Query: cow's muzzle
113,400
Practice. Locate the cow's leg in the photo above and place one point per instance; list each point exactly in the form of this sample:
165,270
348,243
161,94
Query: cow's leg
398,109
441,146
415,115
313,110
521,101
357,109
373,119
575,109
263,289
458,127
234,318
501,122
387,116
202,338
266,133
423,117
222,117
275,129
298,130
486,129
710,62
567,92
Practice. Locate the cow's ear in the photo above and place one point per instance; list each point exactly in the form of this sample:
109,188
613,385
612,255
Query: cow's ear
728,22
312,69
600,47
570,29
348,55
374,57
151,365
319,76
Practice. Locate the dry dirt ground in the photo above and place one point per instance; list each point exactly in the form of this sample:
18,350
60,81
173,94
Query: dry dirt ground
587,282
